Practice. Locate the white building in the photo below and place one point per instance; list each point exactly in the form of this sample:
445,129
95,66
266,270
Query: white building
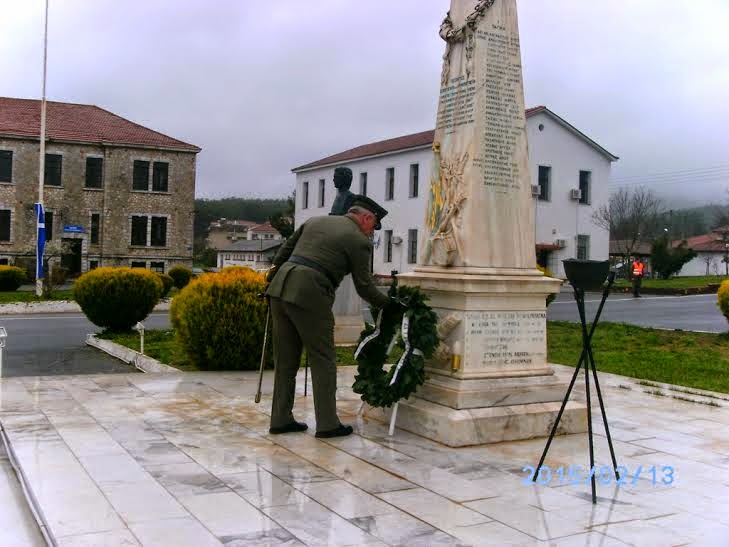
256,254
712,251
569,173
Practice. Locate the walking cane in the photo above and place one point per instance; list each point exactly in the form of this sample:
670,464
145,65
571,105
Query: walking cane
306,373
263,354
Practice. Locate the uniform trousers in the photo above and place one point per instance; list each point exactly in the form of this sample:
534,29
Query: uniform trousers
294,329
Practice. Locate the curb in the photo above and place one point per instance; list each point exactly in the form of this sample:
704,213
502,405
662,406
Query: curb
57,306
129,356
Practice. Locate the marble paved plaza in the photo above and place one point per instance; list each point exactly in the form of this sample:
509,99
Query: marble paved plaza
186,459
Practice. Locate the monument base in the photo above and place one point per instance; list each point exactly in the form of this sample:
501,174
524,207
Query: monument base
347,329
483,425
490,381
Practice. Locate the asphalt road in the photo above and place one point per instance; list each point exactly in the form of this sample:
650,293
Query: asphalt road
696,312
52,344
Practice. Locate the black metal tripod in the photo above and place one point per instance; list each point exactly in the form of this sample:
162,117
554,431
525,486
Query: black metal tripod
579,294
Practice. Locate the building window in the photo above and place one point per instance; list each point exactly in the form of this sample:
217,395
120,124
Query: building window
136,264
93,264
159,232
52,170
321,192
5,225
139,230
4,262
159,176
95,228
545,177
388,246
94,172
140,179
305,196
583,247
414,175
48,221
585,177
390,183
157,267
6,166
363,184
412,246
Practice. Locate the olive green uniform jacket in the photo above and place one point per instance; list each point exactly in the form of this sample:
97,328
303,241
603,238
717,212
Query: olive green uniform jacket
337,244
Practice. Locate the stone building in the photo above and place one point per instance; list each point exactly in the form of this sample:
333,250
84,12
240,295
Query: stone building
115,193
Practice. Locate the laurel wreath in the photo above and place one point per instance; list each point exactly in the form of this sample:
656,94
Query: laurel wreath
414,329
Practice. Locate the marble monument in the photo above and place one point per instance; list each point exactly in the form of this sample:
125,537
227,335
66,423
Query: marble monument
490,380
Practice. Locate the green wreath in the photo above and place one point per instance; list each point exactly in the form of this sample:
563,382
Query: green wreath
375,385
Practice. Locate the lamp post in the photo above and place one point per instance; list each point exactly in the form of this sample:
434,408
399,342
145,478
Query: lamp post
726,259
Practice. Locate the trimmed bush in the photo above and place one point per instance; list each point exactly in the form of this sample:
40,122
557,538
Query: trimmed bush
167,283
181,276
11,278
722,298
219,319
116,298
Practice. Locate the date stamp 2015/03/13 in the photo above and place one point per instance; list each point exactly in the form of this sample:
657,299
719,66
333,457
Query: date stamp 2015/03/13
604,474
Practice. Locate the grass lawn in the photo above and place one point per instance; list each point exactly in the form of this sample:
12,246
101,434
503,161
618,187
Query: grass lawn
683,358
676,282
161,345
7,297
688,359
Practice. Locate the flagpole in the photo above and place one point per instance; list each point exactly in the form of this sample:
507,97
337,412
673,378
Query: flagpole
42,164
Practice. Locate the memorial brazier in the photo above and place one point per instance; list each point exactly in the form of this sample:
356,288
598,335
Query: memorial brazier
490,381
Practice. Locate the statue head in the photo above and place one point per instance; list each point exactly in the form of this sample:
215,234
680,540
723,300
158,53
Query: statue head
342,178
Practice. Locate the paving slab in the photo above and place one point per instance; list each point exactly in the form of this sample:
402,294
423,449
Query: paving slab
186,459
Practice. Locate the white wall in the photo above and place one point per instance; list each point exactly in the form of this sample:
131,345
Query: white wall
559,218
697,266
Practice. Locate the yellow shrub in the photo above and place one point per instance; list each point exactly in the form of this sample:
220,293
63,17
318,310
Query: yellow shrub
116,298
11,278
722,298
219,319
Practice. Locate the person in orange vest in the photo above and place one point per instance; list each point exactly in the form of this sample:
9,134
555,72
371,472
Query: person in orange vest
638,268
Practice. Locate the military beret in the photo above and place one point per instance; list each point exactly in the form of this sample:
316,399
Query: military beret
371,205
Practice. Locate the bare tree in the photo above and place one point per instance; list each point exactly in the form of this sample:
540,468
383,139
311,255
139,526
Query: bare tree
631,217
720,213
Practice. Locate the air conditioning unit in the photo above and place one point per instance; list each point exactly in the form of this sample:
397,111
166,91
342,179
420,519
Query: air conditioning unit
535,190
396,240
575,194
561,243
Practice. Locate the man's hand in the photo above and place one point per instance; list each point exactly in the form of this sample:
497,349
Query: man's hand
399,304
271,273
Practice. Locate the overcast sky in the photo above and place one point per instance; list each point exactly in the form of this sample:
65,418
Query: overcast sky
264,86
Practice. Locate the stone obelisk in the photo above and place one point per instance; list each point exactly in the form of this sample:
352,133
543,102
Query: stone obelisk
490,380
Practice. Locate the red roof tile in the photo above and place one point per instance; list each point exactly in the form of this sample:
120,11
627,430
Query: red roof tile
79,123
711,242
424,138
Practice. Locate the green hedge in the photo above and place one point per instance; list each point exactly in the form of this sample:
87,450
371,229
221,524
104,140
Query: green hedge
116,298
219,319
181,276
167,283
11,278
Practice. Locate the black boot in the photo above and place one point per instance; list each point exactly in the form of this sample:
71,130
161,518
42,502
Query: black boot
341,431
293,427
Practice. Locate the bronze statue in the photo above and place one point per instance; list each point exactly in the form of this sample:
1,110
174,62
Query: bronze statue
342,182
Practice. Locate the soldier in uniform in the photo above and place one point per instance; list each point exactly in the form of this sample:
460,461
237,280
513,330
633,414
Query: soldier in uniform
306,273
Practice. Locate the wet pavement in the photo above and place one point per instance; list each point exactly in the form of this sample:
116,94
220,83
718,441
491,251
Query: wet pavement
186,459
52,344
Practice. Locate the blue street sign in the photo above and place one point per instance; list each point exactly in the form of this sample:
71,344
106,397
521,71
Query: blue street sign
73,228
